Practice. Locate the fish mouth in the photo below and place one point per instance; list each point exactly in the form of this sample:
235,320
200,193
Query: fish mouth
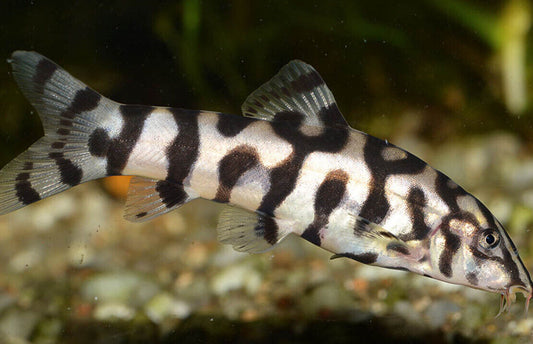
508,297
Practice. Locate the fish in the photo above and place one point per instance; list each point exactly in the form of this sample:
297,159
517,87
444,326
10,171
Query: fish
290,165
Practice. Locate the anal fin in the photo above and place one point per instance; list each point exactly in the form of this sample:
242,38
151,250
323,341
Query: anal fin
251,232
149,198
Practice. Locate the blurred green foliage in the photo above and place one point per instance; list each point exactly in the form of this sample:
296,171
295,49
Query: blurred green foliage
382,59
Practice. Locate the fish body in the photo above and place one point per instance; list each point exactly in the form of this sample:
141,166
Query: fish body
291,164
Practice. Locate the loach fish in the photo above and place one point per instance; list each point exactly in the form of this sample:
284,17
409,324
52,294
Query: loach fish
291,164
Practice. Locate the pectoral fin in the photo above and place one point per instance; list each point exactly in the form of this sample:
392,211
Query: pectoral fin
375,240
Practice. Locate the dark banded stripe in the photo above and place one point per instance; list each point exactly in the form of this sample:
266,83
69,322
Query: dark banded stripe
376,206
133,117
327,198
99,143
25,192
283,178
231,167
69,172
230,125
449,192
44,71
416,202
84,100
182,153
307,82
267,228
452,243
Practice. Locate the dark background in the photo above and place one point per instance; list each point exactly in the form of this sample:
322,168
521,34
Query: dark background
380,58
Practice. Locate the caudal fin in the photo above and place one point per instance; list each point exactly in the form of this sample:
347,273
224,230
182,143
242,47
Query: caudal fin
70,112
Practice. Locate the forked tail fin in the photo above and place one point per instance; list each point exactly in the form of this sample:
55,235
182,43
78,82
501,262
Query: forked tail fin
70,112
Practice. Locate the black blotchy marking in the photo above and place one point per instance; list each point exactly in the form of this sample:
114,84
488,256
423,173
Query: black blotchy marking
25,192
70,173
282,182
416,202
65,122
99,143
332,116
63,131
267,228
181,154
452,243
230,125
365,258
283,178
307,82
448,194
472,278
133,117
58,145
84,100
376,206
143,214
330,193
171,194
292,116
270,230
231,168
23,176
327,198
43,72
183,151
394,246
312,235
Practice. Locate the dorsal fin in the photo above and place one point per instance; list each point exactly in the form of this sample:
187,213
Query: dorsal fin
149,198
299,89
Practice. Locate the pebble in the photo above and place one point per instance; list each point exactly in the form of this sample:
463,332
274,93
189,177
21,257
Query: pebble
327,297
17,323
236,277
164,305
406,310
125,287
521,327
438,313
109,311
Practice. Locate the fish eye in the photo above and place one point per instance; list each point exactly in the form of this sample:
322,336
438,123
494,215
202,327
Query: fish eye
489,239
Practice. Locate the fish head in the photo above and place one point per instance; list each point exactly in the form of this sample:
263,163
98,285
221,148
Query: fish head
471,247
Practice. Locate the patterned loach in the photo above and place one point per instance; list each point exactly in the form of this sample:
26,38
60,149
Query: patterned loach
291,164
